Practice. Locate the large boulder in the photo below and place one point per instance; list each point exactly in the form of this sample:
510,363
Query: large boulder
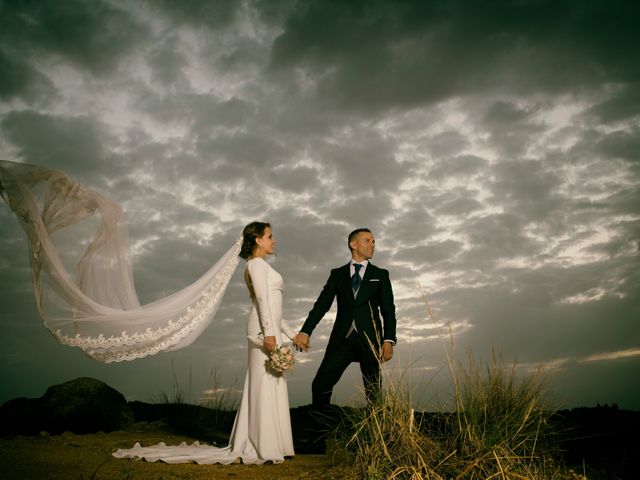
83,405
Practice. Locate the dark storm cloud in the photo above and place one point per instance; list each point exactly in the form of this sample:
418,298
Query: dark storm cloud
92,35
526,187
202,111
622,144
422,52
622,105
511,129
18,79
59,142
213,14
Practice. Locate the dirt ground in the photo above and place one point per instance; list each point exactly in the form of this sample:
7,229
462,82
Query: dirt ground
71,456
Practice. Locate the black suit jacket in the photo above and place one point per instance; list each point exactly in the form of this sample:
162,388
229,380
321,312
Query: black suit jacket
375,298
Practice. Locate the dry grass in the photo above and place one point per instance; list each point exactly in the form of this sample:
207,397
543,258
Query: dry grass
499,428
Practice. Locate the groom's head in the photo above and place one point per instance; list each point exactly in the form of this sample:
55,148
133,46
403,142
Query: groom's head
362,244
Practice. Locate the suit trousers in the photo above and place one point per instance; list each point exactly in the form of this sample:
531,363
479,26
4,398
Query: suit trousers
339,355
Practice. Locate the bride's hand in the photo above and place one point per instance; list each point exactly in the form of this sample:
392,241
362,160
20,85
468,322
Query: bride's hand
270,343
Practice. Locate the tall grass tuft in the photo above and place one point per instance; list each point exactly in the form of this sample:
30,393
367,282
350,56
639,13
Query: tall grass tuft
383,439
499,428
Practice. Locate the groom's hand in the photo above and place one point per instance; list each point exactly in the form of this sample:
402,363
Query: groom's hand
302,342
387,351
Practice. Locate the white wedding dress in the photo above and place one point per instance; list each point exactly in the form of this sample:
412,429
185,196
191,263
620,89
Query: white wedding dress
262,428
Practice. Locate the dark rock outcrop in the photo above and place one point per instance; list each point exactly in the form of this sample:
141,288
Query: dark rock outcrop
21,415
83,405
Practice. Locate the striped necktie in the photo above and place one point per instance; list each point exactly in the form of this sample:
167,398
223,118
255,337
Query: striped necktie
355,279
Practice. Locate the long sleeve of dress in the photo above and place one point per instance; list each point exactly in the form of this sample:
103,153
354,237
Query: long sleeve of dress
287,330
259,271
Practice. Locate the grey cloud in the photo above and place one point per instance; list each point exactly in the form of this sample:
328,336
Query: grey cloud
527,188
362,161
365,209
300,115
232,112
209,13
247,54
503,114
167,63
18,79
249,150
93,35
203,114
624,201
171,263
412,225
66,143
448,143
511,128
524,307
431,253
621,144
497,236
463,165
292,178
460,206
624,239
622,105
418,52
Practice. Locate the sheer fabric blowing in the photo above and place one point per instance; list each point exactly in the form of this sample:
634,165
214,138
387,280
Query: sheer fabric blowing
96,308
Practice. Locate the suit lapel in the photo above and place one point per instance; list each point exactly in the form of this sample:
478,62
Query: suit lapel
345,278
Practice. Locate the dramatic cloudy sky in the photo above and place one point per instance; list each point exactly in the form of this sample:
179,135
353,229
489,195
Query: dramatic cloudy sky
493,148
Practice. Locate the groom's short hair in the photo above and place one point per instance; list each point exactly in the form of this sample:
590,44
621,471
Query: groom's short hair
353,235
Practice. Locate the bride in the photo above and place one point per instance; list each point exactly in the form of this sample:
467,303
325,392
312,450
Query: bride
262,428
95,307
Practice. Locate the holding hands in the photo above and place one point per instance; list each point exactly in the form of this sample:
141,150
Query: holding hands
301,342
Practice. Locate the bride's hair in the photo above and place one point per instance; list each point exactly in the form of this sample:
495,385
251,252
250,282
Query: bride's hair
249,235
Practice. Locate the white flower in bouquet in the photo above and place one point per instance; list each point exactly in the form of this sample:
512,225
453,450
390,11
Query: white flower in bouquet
281,360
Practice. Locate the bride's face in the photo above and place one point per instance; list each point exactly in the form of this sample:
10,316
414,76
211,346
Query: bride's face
267,243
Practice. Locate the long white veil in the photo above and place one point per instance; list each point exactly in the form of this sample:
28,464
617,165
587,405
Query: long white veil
97,309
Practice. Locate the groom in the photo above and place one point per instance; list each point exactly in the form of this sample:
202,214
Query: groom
363,292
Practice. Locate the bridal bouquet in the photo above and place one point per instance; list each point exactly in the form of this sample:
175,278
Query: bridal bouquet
281,360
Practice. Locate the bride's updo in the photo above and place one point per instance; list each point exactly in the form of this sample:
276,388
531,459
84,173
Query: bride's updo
249,235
